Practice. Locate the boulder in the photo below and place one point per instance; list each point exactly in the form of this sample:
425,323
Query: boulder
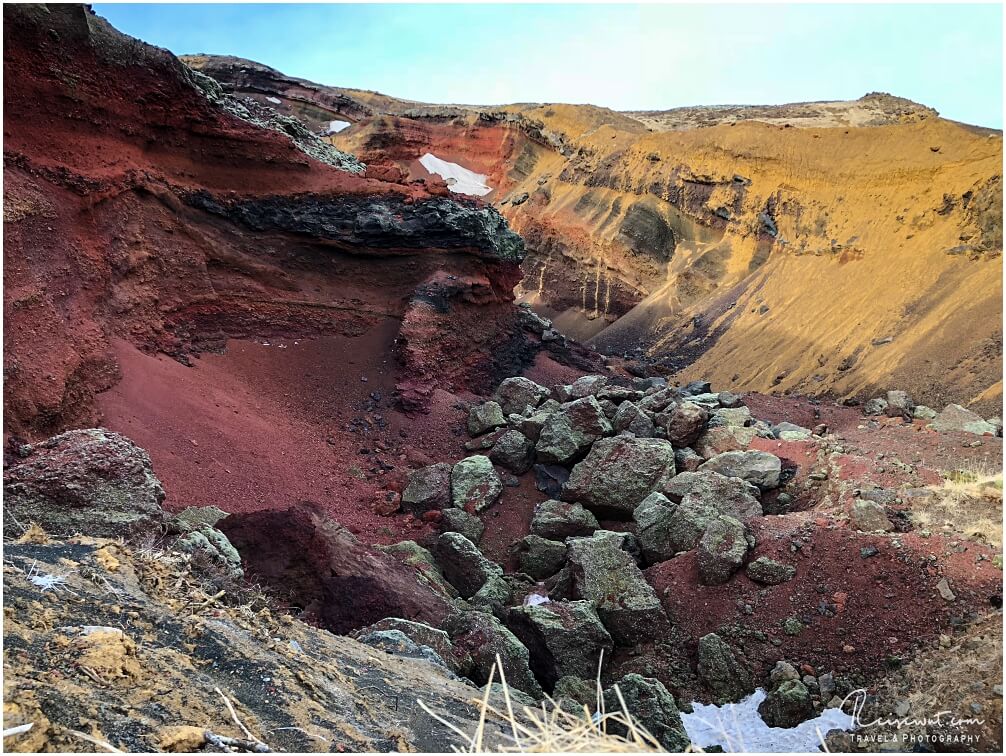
719,669
620,472
955,418
397,643
516,394
652,707
922,412
653,518
685,423
757,467
485,417
619,394
421,560
790,432
769,571
658,401
722,549
482,637
462,564
216,546
539,557
568,433
587,385
781,672
514,451
687,522
728,496
870,517
629,418
875,406
428,488
475,484
606,575
733,417
425,636
655,382
730,400
697,388
786,705
549,479
558,520
563,638
687,460
91,481
312,562
723,438
454,520
531,425
494,595
899,404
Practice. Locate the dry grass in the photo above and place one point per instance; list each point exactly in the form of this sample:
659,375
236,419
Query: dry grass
968,502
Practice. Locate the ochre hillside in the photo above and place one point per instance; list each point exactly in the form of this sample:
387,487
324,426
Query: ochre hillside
834,248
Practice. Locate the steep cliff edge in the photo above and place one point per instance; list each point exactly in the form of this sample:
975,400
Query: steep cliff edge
144,205
832,248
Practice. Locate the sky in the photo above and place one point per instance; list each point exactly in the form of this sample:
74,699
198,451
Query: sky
625,57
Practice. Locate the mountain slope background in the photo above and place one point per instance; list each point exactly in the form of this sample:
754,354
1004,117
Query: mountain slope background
828,249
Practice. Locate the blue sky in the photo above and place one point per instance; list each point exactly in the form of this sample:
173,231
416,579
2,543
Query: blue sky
625,57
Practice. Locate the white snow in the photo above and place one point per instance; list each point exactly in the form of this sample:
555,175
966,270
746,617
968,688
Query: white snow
334,127
740,729
459,179
275,100
534,599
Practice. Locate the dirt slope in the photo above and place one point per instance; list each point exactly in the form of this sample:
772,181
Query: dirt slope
832,248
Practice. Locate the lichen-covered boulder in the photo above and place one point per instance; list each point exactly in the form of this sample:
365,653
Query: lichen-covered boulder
722,549
787,704
397,643
215,545
463,565
652,706
687,460
422,635
539,557
723,438
687,522
729,496
757,467
620,472
629,418
769,571
870,517
89,481
587,385
653,518
514,451
515,395
558,520
900,404
569,432
685,423
428,488
955,418
485,417
454,520
563,638
482,637
609,577
721,672
475,484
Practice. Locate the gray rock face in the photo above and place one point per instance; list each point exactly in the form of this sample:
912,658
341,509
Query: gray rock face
723,549
653,519
485,417
558,520
569,432
475,484
516,394
428,488
514,451
899,404
539,557
869,516
721,672
653,707
620,472
955,418
455,520
685,423
757,467
630,418
482,637
563,638
609,577
463,565
786,705
729,496
769,571
84,481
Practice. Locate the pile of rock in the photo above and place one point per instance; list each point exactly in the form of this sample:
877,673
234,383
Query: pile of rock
953,418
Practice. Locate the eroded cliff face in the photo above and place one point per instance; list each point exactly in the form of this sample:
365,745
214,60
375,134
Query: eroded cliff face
143,205
833,248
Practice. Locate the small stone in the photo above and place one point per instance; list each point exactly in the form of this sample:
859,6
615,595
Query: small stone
944,590
485,417
769,571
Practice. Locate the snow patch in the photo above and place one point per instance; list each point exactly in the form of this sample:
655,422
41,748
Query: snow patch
275,100
334,127
534,599
739,728
459,179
